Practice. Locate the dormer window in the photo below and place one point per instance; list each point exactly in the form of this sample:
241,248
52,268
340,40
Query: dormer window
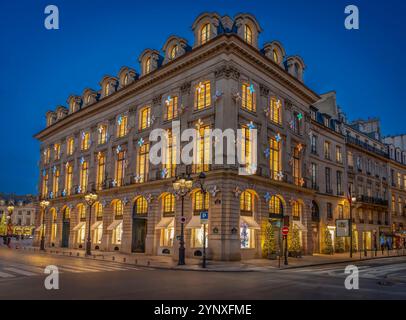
247,34
147,67
205,34
174,52
107,89
275,56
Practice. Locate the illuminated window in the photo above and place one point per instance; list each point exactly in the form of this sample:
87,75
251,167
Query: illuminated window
167,236
297,164
81,212
203,95
101,169
102,134
81,234
168,204
205,34
248,98
98,234
85,145
143,163
118,209
340,209
296,210
200,202
147,66
170,156
55,183
202,156
107,89
120,169
84,175
247,237
145,118
118,234
246,203
275,159
275,113
98,209
174,52
57,150
171,108
400,206
393,205
47,155
68,178
66,214
339,154
327,150
141,206
198,237
122,126
275,56
248,34
246,147
275,206
70,145
45,185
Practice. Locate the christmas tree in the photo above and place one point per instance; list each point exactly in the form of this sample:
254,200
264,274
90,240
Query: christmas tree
328,242
294,246
339,245
3,225
269,247
244,236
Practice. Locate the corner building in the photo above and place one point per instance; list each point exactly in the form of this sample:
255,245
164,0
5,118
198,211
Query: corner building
222,81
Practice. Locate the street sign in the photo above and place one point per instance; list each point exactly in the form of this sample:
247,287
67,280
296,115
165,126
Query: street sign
204,217
285,231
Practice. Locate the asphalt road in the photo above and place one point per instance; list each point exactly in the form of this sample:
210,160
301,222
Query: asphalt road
22,277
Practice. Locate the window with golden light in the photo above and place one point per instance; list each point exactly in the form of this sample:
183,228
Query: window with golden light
275,113
174,52
203,95
200,202
118,209
57,151
170,155
297,172
122,126
84,176
147,66
145,118
70,145
296,210
202,156
275,56
248,98
101,170
55,183
98,209
107,89
205,34
68,178
247,34
47,155
81,212
45,185
85,145
275,158
141,206
275,206
246,203
102,134
120,169
168,204
246,147
171,108
143,163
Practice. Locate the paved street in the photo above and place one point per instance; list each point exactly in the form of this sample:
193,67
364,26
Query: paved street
22,277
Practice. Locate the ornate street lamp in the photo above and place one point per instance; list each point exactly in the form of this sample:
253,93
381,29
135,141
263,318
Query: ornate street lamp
353,200
90,199
44,205
182,188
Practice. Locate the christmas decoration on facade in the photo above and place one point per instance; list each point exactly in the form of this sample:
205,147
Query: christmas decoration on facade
300,116
199,124
280,175
149,198
267,153
137,179
141,142
168,100
237,192
267,197
200,87
251,89
237,96
299,147
214,191
251,126
278,138
164,173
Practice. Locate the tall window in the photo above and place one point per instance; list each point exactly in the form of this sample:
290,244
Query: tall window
203,95
45,185
339,183
328,180
327,150
122,126
141,206
400,206
102,134
81,212
145,118
246,204
296,210
171,108
68,178
246,147
57,150
205,34
142,163
313,142
275,113
147,66
200,202
84,174
329,211
118,209
339,154
248,98
275,158
101,169
70,145
98,210
393,205
297,172
202,156
296,123
107,89
314,176
55,183
85,145
275,56
169,204
350,159
170,155
340,211
247,34
47,155
120,168
174,52
275,206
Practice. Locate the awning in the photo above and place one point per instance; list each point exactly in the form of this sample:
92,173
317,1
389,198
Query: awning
96,225
165,223
79,226
194,223
299,225
115,224
39,228
250,222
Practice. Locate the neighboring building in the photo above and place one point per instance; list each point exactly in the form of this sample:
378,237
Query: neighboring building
24,214
224,81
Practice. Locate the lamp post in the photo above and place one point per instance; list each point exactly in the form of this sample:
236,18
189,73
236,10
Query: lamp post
353,200
10,210
90,199
202,177
44,205
182,188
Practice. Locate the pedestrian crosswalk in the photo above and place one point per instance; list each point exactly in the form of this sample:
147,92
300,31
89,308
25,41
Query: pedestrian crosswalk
17,270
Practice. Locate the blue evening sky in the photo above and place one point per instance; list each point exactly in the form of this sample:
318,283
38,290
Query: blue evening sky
41,68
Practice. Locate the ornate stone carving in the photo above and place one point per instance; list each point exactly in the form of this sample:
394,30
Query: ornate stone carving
185,88
157,99
264,90
227,72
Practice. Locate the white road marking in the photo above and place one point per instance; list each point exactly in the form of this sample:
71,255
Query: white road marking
6,275
21,272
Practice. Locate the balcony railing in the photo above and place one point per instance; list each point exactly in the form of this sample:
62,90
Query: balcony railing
372,200
366,146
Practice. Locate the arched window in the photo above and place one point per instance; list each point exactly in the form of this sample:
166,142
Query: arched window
54,225
296,210
168,204
174,52
81,212
147,66
275,206
66,213
118,209
205,34
247,34
275,56
200,202
141,206
315,211
107,89
98,209
247,203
